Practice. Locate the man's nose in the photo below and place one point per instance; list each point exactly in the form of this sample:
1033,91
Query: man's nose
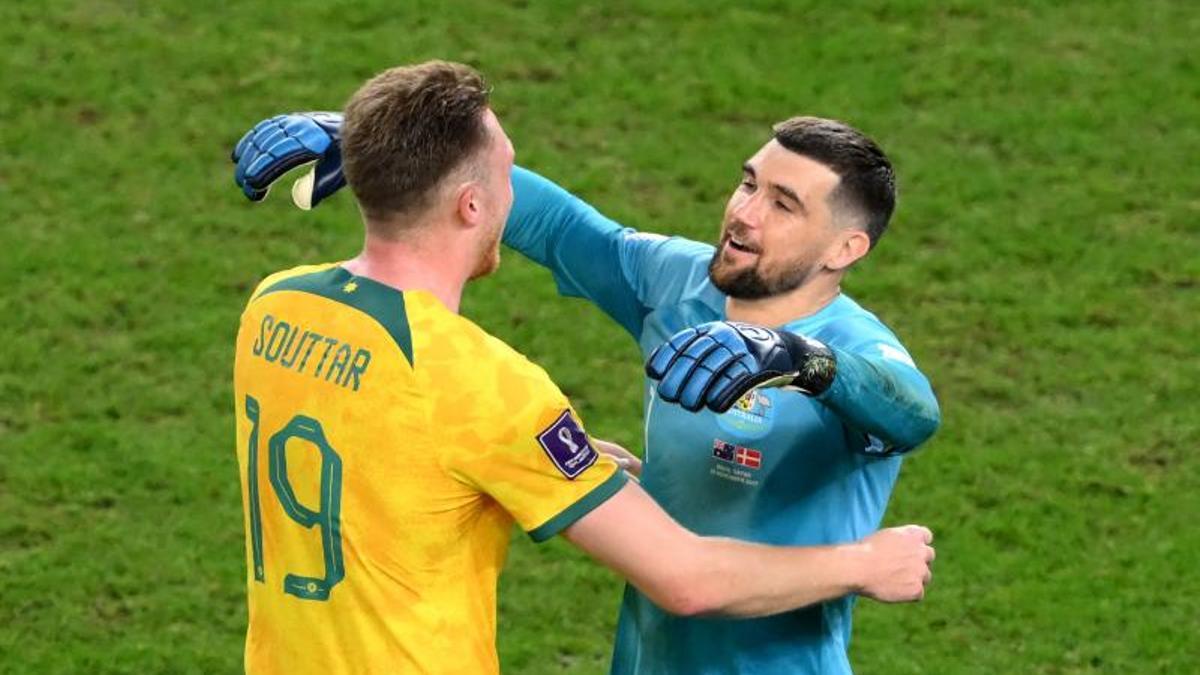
748,211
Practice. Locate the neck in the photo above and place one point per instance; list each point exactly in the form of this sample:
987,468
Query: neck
414,263
804,300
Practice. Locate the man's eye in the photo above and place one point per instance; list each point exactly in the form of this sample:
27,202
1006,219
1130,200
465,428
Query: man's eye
783,206
748,184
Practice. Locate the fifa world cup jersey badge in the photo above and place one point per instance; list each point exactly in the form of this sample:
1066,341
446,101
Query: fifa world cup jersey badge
567,446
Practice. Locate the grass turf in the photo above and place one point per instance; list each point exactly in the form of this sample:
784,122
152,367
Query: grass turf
1042,268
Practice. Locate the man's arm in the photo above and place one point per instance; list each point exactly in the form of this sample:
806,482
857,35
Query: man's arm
874,388
590,256
624,272
581,247
687,574
884,397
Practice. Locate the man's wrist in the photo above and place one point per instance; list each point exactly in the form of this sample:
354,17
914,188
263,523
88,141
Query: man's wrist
815,362
853,562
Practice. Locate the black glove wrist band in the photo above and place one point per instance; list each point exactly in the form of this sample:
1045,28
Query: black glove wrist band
816,362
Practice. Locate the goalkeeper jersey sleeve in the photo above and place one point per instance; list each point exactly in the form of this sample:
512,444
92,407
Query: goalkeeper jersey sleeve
626,273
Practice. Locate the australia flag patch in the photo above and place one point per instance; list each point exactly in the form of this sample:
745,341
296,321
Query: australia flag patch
736,454
724,451
567,445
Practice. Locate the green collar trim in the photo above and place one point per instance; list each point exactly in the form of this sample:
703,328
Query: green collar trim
379,301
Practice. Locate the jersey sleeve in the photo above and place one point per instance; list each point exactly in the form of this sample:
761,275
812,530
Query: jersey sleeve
532,455
627,274
878,390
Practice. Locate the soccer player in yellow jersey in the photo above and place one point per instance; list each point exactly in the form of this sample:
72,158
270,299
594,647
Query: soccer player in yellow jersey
387,444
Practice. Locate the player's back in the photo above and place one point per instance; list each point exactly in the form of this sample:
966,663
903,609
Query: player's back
363,413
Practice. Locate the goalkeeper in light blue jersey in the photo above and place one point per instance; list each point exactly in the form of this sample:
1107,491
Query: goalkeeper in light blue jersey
814,466
777,409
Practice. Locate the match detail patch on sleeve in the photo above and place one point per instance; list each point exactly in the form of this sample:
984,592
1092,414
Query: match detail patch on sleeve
567,445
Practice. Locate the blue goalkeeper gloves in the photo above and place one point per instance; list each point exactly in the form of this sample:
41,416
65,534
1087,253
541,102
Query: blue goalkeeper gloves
715,364
279,144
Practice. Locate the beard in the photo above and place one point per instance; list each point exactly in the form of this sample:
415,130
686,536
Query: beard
752,283
489,257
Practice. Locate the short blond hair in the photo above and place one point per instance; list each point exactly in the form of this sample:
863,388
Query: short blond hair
408,128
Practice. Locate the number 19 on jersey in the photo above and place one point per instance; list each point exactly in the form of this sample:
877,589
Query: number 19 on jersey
327,514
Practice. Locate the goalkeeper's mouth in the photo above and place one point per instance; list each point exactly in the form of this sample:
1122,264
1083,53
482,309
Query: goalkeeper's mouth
733,243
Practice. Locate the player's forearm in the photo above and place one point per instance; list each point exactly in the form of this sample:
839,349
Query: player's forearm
543,214
580,246
888,400
531,223
687,574
738,579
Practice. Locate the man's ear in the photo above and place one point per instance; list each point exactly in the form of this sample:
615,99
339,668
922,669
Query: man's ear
851,244
468,203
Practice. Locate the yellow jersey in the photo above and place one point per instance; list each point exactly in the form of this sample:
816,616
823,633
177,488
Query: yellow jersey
386,447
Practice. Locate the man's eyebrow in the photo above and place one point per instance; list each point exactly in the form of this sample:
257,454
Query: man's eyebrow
783,189
790,194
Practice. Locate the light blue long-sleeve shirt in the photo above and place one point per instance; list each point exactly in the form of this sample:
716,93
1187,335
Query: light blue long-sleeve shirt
779,468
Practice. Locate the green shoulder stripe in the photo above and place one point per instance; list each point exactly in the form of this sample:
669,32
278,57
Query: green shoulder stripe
382,303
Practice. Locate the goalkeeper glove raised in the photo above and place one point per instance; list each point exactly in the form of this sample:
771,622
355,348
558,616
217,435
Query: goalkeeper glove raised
279,144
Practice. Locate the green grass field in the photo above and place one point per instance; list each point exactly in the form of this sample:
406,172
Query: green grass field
1043,268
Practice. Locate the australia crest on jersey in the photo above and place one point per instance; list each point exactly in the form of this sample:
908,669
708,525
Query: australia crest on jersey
753,414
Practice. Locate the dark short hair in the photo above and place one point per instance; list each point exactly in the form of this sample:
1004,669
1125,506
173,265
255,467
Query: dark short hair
868,184
406,129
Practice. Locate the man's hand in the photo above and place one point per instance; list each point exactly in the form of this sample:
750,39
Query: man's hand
895,564
279,144
624,458
715,364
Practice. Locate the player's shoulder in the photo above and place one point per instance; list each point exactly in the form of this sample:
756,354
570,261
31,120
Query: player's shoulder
448,342
669,270
843,323
475,382
273,280
848,312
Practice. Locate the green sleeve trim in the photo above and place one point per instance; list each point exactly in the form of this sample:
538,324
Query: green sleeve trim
581,508
382,303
